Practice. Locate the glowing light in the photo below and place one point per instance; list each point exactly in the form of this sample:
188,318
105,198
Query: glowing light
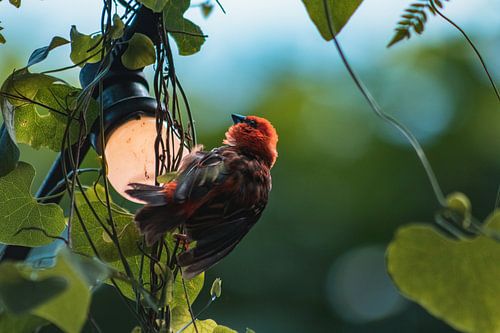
130,154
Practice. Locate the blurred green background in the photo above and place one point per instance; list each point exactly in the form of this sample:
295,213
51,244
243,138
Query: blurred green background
344,180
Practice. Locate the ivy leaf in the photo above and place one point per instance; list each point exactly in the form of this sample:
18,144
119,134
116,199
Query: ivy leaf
75,298
9,152
193,288
118,27
455,280
32,127
140,52
187,35
128,235
84,48
19,294
155,5
206,9
223,329
19,211
23,86
25,323
60,294
41,54
176,297
16,3
42,104
340,12
181,319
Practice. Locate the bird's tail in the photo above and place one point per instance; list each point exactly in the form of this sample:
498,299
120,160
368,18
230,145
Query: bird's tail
156,217
152,195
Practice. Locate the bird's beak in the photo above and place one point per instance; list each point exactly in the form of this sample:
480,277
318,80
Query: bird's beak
238,118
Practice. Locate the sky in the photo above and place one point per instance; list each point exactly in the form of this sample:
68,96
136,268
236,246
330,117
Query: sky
249,32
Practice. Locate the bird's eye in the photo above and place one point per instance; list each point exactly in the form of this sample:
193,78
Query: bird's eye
252,123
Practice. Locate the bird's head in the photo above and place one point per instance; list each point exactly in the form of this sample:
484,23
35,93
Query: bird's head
254,135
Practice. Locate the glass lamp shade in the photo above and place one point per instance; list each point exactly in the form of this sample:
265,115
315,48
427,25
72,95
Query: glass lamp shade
130,153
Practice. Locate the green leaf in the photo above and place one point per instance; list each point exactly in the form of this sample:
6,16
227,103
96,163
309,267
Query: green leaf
9,152
455,280
223,329
155,5
340,12
206,9
32,127
177,298
399,36
140,52
23,86
16,3
19,211
118,27
128,235
182,319
193,288
60,294
42,105
84,48
41,54
2,39
94,271
25,323
187,35
69,309
20,293
166,178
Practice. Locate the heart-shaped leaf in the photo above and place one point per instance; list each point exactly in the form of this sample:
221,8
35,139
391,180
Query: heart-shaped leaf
124,223
455,280
155,5
223,329
140,52
9,152
187,35
181,320
23,220
84,48
340,11
40,54
25,323
19,294
42,104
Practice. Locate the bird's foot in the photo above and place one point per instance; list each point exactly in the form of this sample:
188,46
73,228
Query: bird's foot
183,239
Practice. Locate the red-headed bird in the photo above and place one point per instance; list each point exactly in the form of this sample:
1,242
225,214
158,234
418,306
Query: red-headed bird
217,195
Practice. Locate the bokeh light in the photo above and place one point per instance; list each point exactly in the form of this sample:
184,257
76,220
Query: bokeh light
359,289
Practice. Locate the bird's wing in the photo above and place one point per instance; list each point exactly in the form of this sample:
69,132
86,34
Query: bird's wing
196,178
217,229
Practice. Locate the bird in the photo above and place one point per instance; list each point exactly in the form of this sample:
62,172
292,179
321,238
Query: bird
216,196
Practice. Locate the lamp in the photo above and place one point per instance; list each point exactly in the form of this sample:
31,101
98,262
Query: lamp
129,128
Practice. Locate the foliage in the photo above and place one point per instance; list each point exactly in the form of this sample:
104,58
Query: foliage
104,245
44,292
339,12
414,18
25,221
139,53
458,280
186,34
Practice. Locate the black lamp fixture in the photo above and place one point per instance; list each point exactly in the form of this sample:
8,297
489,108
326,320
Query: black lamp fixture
129,125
